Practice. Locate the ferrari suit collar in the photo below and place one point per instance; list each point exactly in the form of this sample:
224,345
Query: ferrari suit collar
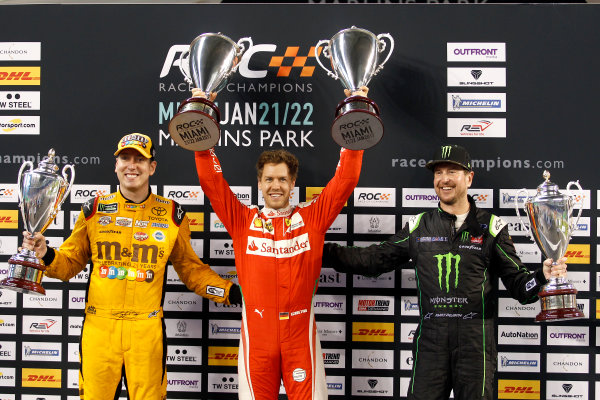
281,212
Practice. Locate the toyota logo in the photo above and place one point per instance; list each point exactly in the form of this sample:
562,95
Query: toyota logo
159,211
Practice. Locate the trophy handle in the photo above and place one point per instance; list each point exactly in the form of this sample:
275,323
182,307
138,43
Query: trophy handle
19,193
185,74
239,51
64,174
519,214
573,226
325,54
381,48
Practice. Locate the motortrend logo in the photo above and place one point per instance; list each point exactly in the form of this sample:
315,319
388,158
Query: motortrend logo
278,248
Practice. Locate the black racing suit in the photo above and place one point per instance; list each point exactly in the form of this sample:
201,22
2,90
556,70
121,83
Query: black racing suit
454,346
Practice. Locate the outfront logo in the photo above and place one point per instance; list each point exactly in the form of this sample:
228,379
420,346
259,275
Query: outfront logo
482,51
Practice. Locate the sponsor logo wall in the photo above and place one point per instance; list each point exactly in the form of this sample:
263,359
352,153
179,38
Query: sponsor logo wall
280,98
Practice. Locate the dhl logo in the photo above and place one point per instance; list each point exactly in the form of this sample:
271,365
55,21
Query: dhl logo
20,75
372,332
597,308
9,219
578,254
297,61
196,221
35,377
218,355
313,192
518,389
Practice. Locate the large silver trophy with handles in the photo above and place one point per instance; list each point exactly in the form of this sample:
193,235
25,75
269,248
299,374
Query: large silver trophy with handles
551,227
211,59
41,193
355,57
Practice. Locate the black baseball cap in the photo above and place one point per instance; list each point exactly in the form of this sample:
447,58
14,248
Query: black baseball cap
453,154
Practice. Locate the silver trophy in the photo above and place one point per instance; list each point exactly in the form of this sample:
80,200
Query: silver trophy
212,59
355,54
41,192
551,227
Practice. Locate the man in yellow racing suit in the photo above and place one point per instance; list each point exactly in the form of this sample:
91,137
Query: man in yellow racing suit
129,236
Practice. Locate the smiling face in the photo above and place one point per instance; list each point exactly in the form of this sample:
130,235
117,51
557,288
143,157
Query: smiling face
451,182
276,185
134,172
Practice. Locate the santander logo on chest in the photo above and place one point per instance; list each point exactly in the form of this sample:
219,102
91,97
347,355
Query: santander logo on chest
278,248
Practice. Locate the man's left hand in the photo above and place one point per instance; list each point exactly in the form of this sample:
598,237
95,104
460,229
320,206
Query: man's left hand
556,271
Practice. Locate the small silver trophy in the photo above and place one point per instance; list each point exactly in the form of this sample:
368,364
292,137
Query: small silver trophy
41,192
212,59
551,227
354,55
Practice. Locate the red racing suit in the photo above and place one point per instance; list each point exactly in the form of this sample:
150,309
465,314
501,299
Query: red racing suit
278,261
129,245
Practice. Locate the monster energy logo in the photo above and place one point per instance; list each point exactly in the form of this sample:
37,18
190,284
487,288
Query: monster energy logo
446,151
445,262
465,236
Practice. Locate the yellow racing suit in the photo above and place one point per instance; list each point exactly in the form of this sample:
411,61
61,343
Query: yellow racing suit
129,245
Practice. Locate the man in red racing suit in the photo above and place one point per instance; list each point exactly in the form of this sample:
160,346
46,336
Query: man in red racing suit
278,261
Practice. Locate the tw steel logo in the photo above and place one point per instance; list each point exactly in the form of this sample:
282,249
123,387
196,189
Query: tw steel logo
282,61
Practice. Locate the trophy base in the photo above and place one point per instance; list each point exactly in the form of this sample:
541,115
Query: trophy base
357,125
563,314
25,273
23,286
195,127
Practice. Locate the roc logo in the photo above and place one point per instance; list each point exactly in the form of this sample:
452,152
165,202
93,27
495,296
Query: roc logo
218,355
35,377
518,389
196,221
578,254
291,59
9,219
20,75
372,332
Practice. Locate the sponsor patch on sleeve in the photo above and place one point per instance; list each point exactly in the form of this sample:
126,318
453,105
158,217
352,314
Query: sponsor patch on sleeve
215,291
496,225
531,284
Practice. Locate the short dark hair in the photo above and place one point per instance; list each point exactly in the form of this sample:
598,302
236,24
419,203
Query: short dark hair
277,157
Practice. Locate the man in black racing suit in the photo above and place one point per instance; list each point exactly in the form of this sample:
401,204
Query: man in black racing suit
458,252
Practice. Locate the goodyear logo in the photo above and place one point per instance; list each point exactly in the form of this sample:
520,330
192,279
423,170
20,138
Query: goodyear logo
220,355
518,389
372,331
20,75
313,192
36,377
9,219
578,254
196,221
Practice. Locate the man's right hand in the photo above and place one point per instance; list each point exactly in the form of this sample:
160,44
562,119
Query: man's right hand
199,93
37,243
362,91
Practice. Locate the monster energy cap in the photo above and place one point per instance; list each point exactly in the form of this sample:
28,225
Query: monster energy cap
451,154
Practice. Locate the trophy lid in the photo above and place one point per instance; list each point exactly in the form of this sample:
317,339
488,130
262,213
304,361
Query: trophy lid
547,188
47,164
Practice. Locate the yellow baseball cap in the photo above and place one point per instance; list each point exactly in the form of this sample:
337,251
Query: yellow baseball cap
139,142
